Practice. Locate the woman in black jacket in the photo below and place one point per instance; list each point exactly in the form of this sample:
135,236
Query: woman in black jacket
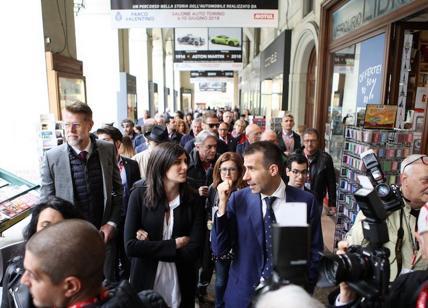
164,228
44,214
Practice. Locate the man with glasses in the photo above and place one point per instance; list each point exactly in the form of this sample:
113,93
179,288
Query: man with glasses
322,176
297,170
84,171
405,253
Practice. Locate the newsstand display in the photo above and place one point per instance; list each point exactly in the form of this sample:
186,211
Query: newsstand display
17,197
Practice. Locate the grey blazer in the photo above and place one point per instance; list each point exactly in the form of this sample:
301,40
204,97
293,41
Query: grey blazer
56,178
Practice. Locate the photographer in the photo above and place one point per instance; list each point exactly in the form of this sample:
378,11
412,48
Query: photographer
405,255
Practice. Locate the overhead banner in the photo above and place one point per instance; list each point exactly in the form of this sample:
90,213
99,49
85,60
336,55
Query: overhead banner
193,13
208,48
210,76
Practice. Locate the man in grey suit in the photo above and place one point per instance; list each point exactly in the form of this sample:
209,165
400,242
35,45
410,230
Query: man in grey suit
84,172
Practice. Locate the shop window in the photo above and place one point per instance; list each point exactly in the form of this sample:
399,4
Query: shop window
357,81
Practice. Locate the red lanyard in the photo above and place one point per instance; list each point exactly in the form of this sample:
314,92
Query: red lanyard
103,295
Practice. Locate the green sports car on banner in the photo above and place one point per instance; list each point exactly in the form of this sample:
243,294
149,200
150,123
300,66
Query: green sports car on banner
225,40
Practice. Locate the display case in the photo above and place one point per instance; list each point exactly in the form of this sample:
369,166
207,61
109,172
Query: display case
17,197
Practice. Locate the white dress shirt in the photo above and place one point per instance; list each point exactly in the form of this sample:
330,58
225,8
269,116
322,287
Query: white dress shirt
279,201
166,281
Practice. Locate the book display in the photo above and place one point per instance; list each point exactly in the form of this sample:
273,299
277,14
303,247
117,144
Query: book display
17,197
390,146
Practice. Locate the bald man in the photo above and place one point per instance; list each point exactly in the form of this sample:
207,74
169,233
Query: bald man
269,135
64,267
253,133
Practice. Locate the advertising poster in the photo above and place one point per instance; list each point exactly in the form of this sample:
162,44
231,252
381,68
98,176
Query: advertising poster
194,13
216,49
370,71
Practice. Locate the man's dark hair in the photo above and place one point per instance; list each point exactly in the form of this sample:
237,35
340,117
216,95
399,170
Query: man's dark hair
179,114
67,210
112,131
127,121
312,131
271,154
72,247
299,158
80,107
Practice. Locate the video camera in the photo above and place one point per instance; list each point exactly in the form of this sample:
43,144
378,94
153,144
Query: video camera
366,269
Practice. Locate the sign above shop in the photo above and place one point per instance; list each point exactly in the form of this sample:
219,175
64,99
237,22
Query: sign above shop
356,13
275,59
194,46
193,13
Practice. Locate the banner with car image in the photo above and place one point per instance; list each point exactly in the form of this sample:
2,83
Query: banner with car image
195,47
193,13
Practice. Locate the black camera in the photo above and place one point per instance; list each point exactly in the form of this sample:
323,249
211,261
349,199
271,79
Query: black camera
389,194
367,269
290,255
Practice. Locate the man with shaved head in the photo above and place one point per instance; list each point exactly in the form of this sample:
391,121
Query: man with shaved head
253,133
269,135
64,268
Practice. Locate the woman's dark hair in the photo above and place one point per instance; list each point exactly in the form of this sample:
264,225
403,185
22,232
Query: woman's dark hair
161,159
67,210
229,156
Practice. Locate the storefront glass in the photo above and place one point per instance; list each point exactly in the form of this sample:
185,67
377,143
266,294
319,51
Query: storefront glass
357,81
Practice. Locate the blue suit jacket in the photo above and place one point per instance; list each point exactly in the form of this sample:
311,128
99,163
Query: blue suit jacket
242,228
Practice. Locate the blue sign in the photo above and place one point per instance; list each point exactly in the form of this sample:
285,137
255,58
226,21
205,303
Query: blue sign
370,71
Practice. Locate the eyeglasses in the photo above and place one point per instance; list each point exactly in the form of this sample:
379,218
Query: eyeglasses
74,125
301,172
310,141
212,125
227,170
424,160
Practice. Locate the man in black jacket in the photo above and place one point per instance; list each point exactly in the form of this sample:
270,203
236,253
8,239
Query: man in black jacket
199,175
129,173
64,268
322,176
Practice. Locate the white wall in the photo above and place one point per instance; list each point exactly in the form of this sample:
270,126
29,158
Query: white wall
138,66
97,46
24,94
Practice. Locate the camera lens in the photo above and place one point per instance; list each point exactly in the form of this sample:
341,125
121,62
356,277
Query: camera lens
383,190
346,267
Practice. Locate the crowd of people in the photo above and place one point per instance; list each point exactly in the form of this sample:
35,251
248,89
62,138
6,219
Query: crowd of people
165,203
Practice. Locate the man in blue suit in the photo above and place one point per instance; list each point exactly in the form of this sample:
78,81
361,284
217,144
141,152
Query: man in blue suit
244,221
